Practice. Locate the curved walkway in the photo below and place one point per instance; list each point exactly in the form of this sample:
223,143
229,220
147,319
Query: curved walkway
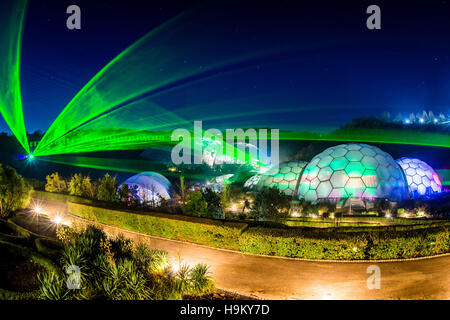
278,278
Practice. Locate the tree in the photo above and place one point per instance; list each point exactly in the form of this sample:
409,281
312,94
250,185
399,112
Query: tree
382,206
195,205
270,204
128,195
107,188
213,201
182,188
55,183
76,185
13,191
89,188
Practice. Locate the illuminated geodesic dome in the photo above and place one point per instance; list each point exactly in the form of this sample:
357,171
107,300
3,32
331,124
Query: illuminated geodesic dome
217,183
214,153
422,180
252,181
149,185
283,177
352,170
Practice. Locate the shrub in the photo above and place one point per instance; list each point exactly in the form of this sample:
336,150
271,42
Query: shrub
14,194
117,269
76,185
107,188
55,183
195,205
52,286
128,195
270,204
205,231
213,202
318,244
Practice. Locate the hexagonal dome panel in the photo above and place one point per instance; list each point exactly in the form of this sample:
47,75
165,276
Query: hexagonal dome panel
353,170
284,177
422,180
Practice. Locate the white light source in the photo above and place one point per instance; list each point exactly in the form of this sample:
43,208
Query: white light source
176,267
37,209
421,120
57,220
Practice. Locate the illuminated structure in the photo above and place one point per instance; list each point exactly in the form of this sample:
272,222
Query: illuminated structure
353,170
284,177
252,181
150,186
421,178
218,183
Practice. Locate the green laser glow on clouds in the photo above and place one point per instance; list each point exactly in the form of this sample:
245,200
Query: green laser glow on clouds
12,13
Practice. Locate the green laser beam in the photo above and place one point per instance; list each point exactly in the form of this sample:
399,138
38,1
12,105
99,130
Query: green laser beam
11,30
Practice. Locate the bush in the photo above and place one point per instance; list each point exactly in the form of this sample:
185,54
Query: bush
317,244
117,269
128,195
213,203
76,185
195,205
198,230
270,204
107,188
55,183
14,194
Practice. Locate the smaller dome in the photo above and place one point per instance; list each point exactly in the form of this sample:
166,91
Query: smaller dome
150,184
252,181
422,180
284,177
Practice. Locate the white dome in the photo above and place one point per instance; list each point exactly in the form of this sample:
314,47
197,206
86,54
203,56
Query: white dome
352,170
149,184
422,180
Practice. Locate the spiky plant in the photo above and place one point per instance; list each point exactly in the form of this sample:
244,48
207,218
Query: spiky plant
52,287
200,280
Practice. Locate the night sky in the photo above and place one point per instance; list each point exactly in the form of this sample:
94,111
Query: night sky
336,68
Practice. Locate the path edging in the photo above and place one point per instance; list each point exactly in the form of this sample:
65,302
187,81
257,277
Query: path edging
263,255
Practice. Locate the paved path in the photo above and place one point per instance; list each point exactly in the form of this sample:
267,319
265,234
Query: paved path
279,278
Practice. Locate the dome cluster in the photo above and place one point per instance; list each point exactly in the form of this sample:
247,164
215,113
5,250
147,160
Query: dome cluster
352,170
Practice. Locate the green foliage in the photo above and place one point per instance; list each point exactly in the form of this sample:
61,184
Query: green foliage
195,204
205,231
128,195
319,244
213,202
270,204
14,193
76,185
82,186
55,183
117,269
52,286
200,280
107,188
